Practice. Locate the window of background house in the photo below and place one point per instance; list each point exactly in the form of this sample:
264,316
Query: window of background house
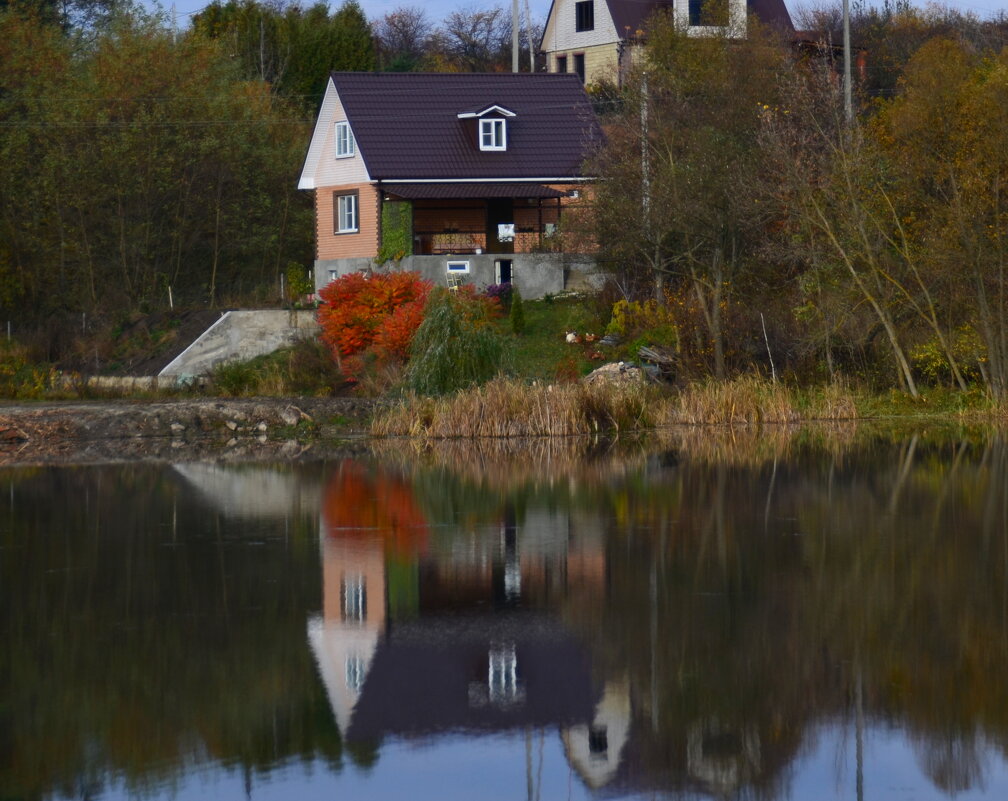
346,214
344,140
561,65
492,135
579,66
584,15
702,13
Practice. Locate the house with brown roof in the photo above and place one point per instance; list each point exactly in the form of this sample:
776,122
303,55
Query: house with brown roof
600,40
461,177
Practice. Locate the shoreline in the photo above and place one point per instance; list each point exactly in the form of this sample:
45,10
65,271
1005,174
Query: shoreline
51,433
226,429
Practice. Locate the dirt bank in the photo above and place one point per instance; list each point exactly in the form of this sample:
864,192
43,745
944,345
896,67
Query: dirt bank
181,430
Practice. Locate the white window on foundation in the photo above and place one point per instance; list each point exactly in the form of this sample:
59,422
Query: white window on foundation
458,267
344,141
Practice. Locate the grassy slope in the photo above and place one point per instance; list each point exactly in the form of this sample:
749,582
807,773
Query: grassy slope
542,352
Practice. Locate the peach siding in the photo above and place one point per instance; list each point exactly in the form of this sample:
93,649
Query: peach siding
346,246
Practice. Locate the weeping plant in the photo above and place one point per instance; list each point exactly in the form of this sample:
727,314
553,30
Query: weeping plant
455,346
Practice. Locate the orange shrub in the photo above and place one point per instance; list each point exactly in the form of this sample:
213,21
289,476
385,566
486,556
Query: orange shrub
381,310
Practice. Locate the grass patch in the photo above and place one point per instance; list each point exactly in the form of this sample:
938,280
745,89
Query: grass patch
306,368
933,402
542,351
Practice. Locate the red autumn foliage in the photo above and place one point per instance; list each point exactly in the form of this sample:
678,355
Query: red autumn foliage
381,310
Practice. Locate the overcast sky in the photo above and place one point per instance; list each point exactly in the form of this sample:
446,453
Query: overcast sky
437,9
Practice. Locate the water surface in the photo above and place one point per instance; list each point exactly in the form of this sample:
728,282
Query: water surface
804,619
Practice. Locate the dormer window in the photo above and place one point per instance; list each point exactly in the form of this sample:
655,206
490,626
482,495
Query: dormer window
344,140
493,134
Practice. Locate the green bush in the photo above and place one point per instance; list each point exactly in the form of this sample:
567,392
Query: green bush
455,347
305,368
20,377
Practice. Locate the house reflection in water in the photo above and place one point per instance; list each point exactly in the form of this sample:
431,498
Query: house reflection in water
462,634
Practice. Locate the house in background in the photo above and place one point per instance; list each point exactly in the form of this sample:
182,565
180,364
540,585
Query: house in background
460,177
600,40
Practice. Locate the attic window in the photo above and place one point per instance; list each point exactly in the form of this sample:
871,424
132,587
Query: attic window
344,140
493,134
584,15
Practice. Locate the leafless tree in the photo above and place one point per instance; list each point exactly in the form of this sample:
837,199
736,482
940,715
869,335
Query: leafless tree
402,37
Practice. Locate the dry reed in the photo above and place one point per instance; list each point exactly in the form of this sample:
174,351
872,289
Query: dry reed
748,400
831,402
508,408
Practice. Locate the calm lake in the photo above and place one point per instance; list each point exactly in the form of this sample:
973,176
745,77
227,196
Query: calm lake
821,616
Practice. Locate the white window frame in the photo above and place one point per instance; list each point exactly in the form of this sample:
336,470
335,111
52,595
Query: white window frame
354,606
454,266
345,146
347,214
495,129
354,669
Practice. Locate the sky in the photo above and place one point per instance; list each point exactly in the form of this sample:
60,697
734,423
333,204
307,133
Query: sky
438,9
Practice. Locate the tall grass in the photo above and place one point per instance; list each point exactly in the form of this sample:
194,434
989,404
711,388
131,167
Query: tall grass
748,400
509,408
752,400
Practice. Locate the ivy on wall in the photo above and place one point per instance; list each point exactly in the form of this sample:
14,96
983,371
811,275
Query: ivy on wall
396,231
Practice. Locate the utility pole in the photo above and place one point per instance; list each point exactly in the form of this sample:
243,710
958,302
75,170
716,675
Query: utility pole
174,25
515,25
848,107
528,35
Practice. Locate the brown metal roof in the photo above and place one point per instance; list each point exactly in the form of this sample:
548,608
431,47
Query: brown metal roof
469,190
406,124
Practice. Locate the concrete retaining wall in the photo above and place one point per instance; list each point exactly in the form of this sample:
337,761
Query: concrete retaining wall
535,274
239,336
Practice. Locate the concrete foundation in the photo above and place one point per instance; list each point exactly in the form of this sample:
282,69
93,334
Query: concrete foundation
534,274
239,336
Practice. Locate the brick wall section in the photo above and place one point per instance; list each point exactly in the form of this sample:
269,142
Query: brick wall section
344,246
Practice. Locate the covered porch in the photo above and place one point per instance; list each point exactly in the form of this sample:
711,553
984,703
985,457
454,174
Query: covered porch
447,219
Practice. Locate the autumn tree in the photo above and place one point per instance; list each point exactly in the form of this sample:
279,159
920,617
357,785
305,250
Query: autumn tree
675,203
143,165
945,135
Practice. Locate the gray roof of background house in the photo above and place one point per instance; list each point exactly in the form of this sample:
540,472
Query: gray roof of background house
407,127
